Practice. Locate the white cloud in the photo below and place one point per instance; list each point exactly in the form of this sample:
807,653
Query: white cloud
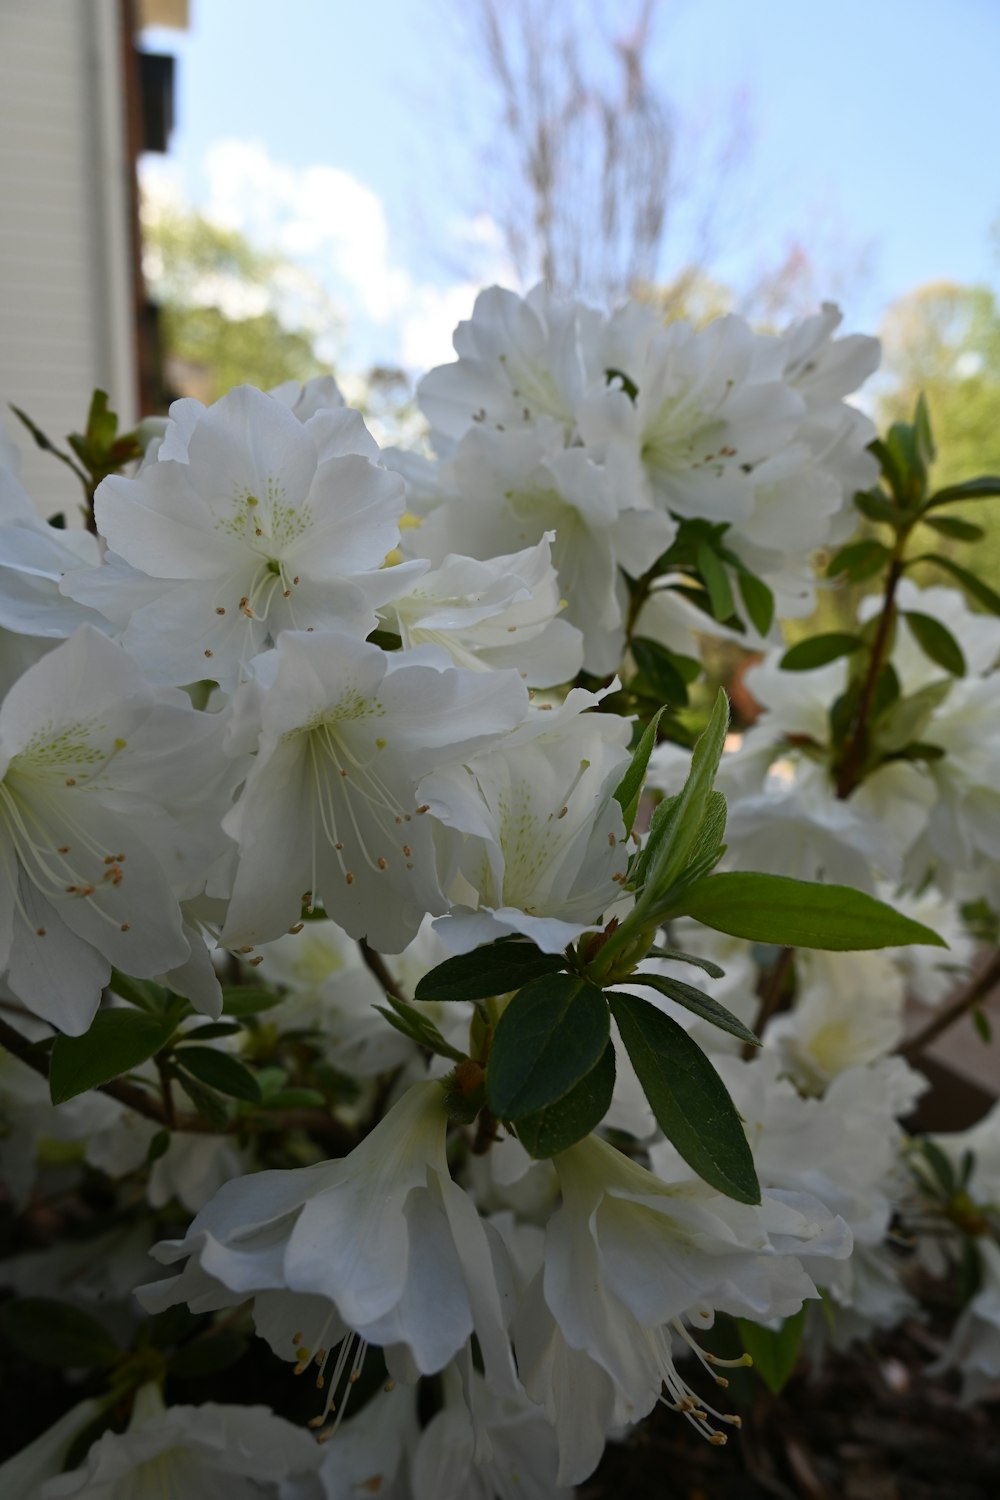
335,225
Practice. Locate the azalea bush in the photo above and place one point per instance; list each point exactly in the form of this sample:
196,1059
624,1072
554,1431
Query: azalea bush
413,978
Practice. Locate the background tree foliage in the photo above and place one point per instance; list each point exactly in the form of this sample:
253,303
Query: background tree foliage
944,340
227,308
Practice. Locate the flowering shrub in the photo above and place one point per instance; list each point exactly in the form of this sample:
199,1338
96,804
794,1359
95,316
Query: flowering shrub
436,984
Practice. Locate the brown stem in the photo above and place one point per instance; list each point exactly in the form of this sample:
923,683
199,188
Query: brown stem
977,989
771,994
166,1089
379,968
857,741
317,1121
129,1094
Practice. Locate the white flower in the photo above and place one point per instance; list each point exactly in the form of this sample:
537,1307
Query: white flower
628,1256
982,1140
22,1476
373,1451
519,359
504,491
795,825
330,805
210,1452
82,739
977,634
974,1345
699,423
848,1011
331,991
306,398
381,1244
845,1150
929,974
546,848
481,1446
499,613
27,1117
265,524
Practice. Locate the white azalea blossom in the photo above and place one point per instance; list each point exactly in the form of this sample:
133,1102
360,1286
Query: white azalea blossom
848,1012
306,721
519,360
501,492
628,1256
546,841
481,1446
258,529
83,889
974,1345
382,1243
499,613
175,1453
699,423
330,813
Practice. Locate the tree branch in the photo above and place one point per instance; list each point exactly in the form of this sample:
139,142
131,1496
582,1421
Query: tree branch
857,741
977,989
380,969
319,1122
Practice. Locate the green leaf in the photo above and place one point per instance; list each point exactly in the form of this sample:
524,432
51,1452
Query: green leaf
926,446
774,1351
57,1334
625,382
294,1098
688,1098
219,1071
141,993
629,789
208,1356
551,1035
956,527
981,1022
973,586
818,650
758,600
418,1027
918,750
697,1001
904,447
102,422
248,1000
212,1029
858,560
679,957
799,913
674,833
45,443
658,672
936,641
982,488
939,1164
206,1101
387,639
158,1146
716,580
910,716
576,1114
886,691
494,970
876,506
117,1042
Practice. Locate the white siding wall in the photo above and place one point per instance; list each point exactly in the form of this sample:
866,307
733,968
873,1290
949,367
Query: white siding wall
65,302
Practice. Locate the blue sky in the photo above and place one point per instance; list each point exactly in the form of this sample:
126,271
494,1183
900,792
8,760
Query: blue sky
872,142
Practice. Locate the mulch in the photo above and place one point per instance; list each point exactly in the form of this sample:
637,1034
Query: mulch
870,1426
